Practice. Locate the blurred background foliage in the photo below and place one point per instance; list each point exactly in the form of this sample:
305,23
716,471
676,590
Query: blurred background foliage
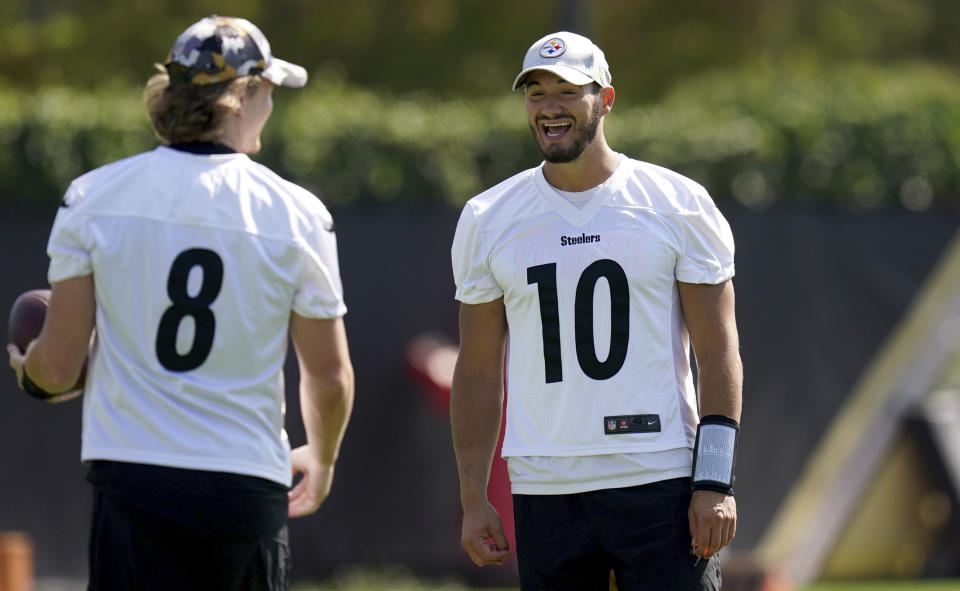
821,103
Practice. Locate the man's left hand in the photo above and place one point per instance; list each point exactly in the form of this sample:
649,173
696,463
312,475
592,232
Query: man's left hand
713,521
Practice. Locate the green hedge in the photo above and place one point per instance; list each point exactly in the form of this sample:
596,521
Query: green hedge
859,136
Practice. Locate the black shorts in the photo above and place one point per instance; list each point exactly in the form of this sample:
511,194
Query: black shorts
167,528
641,533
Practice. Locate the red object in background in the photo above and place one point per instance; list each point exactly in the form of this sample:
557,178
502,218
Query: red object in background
430,362
16,561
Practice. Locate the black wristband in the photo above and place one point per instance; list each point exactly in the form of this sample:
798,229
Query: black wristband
34,390
714,454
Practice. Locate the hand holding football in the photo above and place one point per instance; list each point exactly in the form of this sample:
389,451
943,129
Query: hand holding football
26,317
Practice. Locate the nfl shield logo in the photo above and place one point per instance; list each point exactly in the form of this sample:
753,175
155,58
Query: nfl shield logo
611,425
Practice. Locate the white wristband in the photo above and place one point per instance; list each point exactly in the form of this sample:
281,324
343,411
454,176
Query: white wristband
714,454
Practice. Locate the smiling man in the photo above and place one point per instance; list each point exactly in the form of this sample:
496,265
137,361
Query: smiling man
595,273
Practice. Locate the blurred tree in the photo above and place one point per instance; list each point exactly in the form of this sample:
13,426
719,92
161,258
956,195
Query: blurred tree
847,103
857,137
474,47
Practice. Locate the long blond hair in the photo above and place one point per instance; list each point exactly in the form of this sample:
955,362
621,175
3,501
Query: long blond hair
194,112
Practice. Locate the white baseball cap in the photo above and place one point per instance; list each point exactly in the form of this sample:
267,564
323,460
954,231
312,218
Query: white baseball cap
568,55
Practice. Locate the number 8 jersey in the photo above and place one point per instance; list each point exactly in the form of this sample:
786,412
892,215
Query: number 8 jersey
198,261
598,351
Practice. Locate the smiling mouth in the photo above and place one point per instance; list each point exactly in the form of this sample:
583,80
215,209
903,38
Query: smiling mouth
555,129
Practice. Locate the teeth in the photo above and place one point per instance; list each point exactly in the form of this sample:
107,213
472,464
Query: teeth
553,129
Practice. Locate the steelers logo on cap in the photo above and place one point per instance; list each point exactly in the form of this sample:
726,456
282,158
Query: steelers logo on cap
553,48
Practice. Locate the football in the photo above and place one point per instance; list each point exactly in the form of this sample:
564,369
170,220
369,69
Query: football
26,320
26,316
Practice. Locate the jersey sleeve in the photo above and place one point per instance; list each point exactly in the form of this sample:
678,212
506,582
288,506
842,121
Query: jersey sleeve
320,292
69,244
471,271
708,248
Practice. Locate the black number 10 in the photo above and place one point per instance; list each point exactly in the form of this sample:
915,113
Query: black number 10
545,276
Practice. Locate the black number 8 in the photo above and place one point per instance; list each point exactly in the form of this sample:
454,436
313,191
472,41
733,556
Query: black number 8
184,305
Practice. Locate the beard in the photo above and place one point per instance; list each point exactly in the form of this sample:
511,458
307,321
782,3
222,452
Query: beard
583,135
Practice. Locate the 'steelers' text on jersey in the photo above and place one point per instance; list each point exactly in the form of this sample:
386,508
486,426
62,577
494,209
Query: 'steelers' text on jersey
198,261
595,324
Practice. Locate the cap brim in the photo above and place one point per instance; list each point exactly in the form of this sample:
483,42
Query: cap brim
283,73
567,73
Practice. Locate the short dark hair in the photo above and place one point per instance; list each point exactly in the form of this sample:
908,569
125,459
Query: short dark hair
194,112
593,88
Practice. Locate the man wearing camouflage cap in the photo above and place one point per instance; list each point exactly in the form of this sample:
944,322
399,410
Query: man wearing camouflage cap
194,263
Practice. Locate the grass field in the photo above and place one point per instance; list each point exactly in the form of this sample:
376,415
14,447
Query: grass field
887,586
400,580
382,585
376,584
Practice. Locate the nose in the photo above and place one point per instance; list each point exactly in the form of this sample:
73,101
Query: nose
551,106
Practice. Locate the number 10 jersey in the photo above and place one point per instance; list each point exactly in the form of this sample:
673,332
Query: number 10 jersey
598,351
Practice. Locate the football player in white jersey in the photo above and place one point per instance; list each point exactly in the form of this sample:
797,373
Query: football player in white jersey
194,264
593,274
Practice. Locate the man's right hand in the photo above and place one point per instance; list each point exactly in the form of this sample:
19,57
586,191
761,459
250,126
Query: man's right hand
482,536
306,497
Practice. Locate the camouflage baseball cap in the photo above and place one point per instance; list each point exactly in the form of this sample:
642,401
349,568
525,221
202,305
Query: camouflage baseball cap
220,48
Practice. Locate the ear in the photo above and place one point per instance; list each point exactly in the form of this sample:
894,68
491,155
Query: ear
607,96
241,100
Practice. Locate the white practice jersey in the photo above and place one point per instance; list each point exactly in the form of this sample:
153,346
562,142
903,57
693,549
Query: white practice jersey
598,351
198,261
